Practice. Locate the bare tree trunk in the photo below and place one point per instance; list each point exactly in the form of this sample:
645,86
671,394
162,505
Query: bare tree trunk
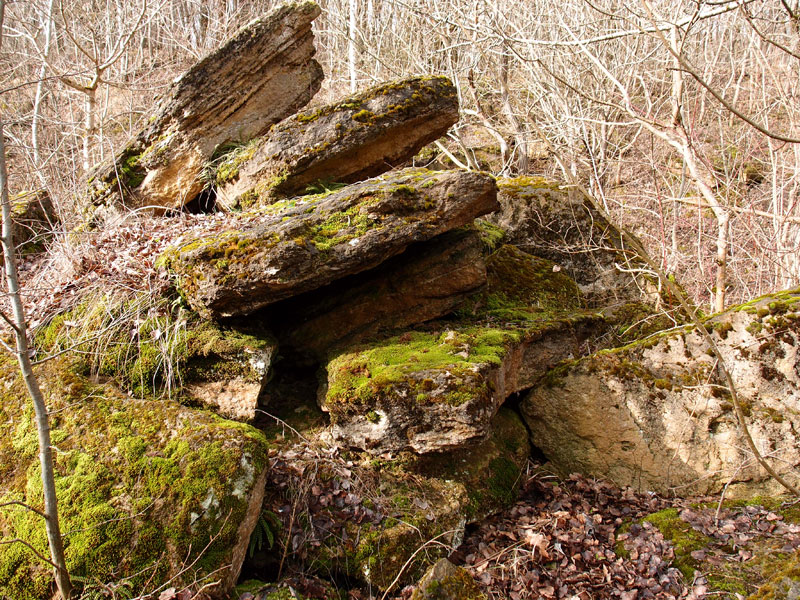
37,101
18,324
90,126
351,45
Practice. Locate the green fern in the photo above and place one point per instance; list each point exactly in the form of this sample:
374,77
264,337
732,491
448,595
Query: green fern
267,526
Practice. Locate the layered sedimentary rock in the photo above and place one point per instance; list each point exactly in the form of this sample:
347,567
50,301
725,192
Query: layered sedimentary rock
263,74
656,415
354,139
427,281
148,490
437,388
304,243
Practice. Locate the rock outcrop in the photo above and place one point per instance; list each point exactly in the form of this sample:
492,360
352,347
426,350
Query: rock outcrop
437,388
34,218
559,224
304,243
427,281
445,581
263,74
656,416
147,490
354,139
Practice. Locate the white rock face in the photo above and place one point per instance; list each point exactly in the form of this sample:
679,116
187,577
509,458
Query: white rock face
655,415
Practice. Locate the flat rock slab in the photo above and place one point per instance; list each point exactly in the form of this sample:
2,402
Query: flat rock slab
426,281
438,388
304,243
655,414
351,140
263,74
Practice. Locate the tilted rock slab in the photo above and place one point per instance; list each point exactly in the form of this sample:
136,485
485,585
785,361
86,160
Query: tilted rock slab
148,490
655,415
354,139
427,281
304,243
438,389
560,224
263,74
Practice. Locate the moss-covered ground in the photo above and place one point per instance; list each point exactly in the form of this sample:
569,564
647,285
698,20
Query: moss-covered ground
145,487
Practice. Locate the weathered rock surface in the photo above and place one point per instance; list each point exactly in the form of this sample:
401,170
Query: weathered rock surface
427,281
561,225
654,414
437,388
445,581
412,500
34,218
352,140
304,243
147,490
263,74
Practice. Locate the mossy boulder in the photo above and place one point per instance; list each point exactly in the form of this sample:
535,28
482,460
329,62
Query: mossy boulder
656,415
445,581
437,387
353,139
33,220
419,499
302,244
147,490
263,74
558,223
152,347
426,281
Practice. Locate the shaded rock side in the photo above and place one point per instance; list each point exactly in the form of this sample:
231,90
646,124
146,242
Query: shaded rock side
414,499
147,490
351,140
263,74
438,387
655,415
304,243
445,581
427,281
34,218
561,225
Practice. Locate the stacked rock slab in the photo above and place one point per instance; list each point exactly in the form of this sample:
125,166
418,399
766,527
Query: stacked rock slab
427,281
656,415
301,244
438,387
354,139
263,74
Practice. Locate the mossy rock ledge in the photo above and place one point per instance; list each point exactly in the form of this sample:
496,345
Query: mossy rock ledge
656,414
445,581
268,66
147,490
437,387
351,140
304,243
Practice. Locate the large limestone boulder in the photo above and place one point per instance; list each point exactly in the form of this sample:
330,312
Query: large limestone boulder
445,581
148,491
558,223
438,387
304,243
263,74
426,281
351,140
33,220
655,415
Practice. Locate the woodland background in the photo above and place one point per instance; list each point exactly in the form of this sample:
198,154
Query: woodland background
681,117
